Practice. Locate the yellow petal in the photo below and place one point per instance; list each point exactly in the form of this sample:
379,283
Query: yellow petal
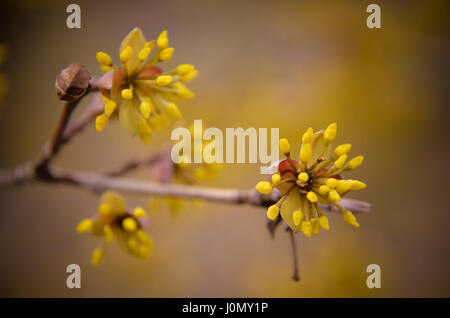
129,115
115,201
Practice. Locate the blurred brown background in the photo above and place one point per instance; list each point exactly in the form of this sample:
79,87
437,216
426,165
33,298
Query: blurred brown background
286,64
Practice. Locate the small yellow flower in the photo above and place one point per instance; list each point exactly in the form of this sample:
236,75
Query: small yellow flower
315,179
141,91
113,221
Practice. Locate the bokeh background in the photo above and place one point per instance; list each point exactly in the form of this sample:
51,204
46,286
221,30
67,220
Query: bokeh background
286,64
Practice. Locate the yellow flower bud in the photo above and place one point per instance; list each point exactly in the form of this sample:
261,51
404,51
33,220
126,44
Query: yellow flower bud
306,152
150,44
357,185
343,186
166,54
308,136
163,40
100,122
276,178
129,224
182,91
173,110
312,196
127,93
315,226
340,162
355,162
85,225
332,183
144,53
139,212
285,147
350,218
342,150
145,108
297,216
97,256
307,228
103,59
144,130
126,54
324,189
189,76
303,176
183,69
164,80
272,212
110,107
323,220
334,196
330,132
264,187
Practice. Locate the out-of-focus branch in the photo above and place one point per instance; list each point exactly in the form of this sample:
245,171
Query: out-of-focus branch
132,165
72,85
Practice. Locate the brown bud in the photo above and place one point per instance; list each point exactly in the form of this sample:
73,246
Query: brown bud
72,83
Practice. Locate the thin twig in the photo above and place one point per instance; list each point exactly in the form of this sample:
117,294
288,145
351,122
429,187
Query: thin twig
295,275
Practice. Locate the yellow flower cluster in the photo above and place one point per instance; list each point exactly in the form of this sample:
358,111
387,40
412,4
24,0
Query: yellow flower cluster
142,94
314,178
114,221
